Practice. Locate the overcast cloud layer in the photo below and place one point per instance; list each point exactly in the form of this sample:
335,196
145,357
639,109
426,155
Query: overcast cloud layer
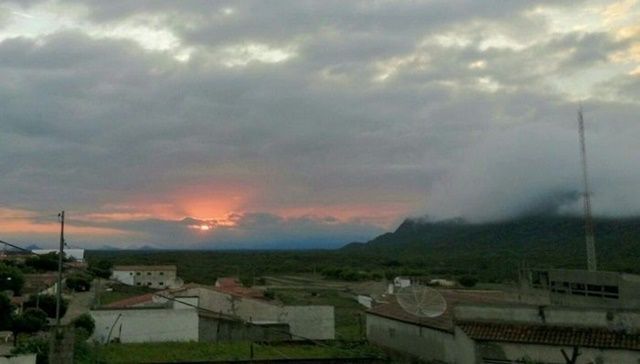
288,124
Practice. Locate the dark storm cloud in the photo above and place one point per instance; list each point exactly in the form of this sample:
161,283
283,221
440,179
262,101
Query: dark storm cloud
381,103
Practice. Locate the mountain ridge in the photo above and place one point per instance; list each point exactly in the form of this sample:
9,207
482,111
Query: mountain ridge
553,241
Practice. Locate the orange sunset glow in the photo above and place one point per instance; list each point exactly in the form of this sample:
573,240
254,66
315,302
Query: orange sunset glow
327,131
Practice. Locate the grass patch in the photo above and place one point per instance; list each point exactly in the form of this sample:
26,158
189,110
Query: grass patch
122,291
195,351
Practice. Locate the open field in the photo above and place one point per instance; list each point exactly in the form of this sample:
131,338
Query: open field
119,292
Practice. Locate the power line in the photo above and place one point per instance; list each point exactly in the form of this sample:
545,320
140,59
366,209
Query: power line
16,247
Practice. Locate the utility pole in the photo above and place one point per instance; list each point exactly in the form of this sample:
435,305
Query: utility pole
588,220
59,285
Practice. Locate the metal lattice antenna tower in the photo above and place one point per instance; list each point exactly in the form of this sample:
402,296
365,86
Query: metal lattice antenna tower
592,263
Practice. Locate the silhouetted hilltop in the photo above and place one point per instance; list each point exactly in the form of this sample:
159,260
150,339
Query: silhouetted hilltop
539,240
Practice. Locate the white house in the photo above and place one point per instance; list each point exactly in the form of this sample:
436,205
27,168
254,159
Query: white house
401,282
153,276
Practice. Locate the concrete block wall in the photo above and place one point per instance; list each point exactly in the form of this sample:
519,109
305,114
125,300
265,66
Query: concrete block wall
424,343
550,315
553,354
19,359
313,322
146,325
217,330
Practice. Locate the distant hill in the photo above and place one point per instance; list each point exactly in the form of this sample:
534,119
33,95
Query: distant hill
538,241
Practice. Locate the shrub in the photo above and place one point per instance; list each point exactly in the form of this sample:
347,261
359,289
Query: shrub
11,279
85,322
269,294
101,268
79,282
6,308
47,303
468,281
45,262
35,345
32,320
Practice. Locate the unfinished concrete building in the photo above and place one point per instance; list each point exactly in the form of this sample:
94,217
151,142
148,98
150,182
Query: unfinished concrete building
555,316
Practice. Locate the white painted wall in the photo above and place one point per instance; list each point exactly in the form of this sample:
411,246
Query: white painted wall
121,276
153,278
442,282
313,322
19,359
425,343
146,325
366,301
401,282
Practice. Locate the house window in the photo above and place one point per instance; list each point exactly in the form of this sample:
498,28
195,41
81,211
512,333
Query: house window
148,283
539,279
161,273
161,283
138,284
130,273
137,273
148,273
610,291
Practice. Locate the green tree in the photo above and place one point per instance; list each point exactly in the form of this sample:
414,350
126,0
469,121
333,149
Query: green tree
45,262
47,303
6,308
11,279
468,281
35,345
79,282
101,268
85,322
30,321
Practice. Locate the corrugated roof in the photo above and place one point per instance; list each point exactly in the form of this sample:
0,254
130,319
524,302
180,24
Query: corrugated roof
394,311
550,335
145,268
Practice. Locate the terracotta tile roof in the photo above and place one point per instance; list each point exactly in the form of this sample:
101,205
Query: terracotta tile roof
35,282
551,335
131,301
392,309
145,268
233,286
18,300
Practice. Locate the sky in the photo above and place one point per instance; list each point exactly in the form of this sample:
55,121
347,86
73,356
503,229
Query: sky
300,124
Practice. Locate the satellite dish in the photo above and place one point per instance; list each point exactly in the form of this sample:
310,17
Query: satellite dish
421,301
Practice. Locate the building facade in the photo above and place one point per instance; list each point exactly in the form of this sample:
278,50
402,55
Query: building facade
304,322
153,276
595,321
580,288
